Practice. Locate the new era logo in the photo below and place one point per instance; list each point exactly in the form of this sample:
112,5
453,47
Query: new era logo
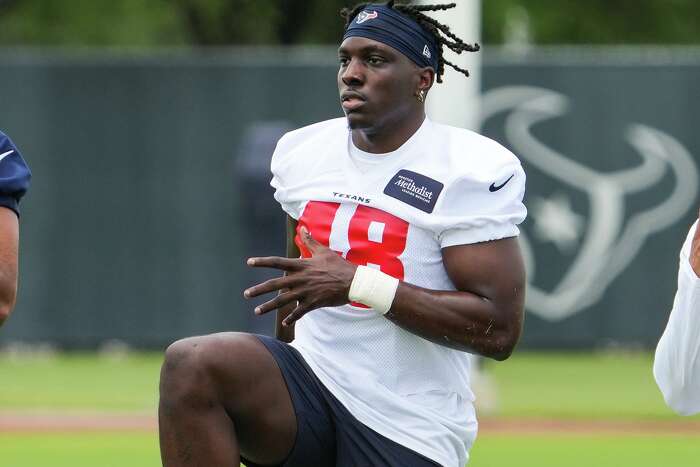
366,16
426,51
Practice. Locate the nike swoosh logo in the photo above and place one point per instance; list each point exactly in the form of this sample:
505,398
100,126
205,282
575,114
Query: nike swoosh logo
493,187
5,154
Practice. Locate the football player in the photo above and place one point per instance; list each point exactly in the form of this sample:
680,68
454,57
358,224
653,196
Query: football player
402,257
14,181
677,359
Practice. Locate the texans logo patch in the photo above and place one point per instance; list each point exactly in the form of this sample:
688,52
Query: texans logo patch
366,16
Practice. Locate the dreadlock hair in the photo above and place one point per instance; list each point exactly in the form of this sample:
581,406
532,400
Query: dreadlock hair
443,36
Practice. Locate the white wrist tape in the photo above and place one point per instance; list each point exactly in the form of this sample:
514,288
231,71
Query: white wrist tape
373,288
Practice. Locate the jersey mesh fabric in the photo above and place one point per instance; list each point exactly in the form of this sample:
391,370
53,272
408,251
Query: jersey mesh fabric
406,388
398,384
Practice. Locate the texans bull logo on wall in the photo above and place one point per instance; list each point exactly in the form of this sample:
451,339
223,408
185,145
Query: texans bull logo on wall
585,224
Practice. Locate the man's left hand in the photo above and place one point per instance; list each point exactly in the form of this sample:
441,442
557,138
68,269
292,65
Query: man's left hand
322,280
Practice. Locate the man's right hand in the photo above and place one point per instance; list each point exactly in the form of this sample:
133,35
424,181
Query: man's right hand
695,251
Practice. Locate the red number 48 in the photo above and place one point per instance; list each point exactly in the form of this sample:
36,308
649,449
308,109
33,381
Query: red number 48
376,238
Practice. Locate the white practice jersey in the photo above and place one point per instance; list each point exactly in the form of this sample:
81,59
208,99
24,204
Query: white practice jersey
445,186
677,359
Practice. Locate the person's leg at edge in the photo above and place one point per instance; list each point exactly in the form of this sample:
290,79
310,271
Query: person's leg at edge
223,396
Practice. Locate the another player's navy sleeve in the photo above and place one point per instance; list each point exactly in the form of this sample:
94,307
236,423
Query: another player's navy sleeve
14,174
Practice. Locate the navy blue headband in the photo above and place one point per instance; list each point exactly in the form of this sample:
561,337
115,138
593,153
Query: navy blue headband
388,26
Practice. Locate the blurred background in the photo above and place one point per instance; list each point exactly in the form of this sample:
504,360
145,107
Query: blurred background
149,127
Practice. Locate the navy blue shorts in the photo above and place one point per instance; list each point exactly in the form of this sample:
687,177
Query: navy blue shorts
327,434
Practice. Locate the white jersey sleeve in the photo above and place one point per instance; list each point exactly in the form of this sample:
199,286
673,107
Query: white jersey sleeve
280,166
677,359
492,214
296,162
484,201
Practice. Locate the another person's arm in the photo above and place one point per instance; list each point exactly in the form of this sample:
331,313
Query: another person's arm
677,359
14,181
9,240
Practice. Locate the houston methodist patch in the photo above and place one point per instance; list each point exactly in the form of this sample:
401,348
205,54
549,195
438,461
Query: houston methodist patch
414,189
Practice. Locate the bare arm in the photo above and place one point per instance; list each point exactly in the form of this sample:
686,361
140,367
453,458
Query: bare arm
286,333
483,316
9,242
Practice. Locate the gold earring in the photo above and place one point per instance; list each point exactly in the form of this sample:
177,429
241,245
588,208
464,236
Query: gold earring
421,96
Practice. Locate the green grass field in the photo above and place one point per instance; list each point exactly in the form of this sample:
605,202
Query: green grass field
579,386
109,449
590,388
